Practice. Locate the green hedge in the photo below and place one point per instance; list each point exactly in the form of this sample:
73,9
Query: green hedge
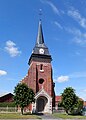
5,104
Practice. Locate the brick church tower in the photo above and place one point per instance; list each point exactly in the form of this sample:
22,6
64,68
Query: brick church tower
39,76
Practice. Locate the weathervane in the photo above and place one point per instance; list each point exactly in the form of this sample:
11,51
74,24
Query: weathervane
40,13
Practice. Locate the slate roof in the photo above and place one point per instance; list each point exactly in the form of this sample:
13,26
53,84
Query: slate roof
40,42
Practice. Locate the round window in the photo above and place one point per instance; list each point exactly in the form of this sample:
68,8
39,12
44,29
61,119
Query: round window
41,81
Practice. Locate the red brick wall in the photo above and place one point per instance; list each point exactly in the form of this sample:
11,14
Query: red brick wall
34,74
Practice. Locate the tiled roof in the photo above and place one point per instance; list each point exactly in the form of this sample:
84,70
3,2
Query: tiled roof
58,98
84,103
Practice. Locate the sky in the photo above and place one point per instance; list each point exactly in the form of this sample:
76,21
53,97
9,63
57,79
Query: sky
64,30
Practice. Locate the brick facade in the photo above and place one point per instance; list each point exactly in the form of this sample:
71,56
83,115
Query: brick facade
39,76
36,74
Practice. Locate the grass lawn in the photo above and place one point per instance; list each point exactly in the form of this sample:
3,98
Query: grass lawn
65,116
17,116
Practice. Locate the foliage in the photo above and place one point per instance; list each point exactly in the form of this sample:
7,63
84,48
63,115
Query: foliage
7,104
77,108
60,104
23,96
84,111
69,99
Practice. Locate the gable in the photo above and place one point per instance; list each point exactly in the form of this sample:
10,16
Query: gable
42,92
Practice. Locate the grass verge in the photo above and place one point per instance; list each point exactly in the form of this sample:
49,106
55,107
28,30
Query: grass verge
18,116
65,116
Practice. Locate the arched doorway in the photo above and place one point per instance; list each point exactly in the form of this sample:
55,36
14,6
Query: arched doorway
41,104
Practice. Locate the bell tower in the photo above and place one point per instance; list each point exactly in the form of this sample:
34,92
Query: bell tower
40,49
39,76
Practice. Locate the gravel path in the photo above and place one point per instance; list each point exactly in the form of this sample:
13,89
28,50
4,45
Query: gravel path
48,116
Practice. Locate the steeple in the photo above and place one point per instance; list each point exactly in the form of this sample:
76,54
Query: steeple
40,49
40,44
40,38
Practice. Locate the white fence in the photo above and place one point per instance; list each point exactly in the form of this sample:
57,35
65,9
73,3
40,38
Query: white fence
58,109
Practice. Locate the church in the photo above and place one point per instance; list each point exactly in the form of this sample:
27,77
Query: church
40,77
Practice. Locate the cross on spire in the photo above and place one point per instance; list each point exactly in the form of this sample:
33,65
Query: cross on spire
40,45
40,13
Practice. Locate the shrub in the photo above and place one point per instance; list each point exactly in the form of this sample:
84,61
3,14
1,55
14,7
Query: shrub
5,104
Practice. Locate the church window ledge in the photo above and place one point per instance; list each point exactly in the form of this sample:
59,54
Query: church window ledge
41,70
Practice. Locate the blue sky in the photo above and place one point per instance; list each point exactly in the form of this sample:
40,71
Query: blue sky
64,29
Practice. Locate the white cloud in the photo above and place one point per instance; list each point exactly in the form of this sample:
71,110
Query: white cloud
78,53
12,49
58,24
78,75
84,90
75,14
80,41
61,79
66,78
54,8
79,38
2,72
74,31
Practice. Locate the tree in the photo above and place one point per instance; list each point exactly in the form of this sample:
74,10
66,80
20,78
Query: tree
23,96
69,99
77,108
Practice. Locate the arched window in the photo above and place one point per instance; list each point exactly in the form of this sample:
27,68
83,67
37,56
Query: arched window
41,67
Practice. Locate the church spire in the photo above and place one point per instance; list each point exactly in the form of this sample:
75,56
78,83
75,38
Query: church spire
40,50
40,38
40,44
